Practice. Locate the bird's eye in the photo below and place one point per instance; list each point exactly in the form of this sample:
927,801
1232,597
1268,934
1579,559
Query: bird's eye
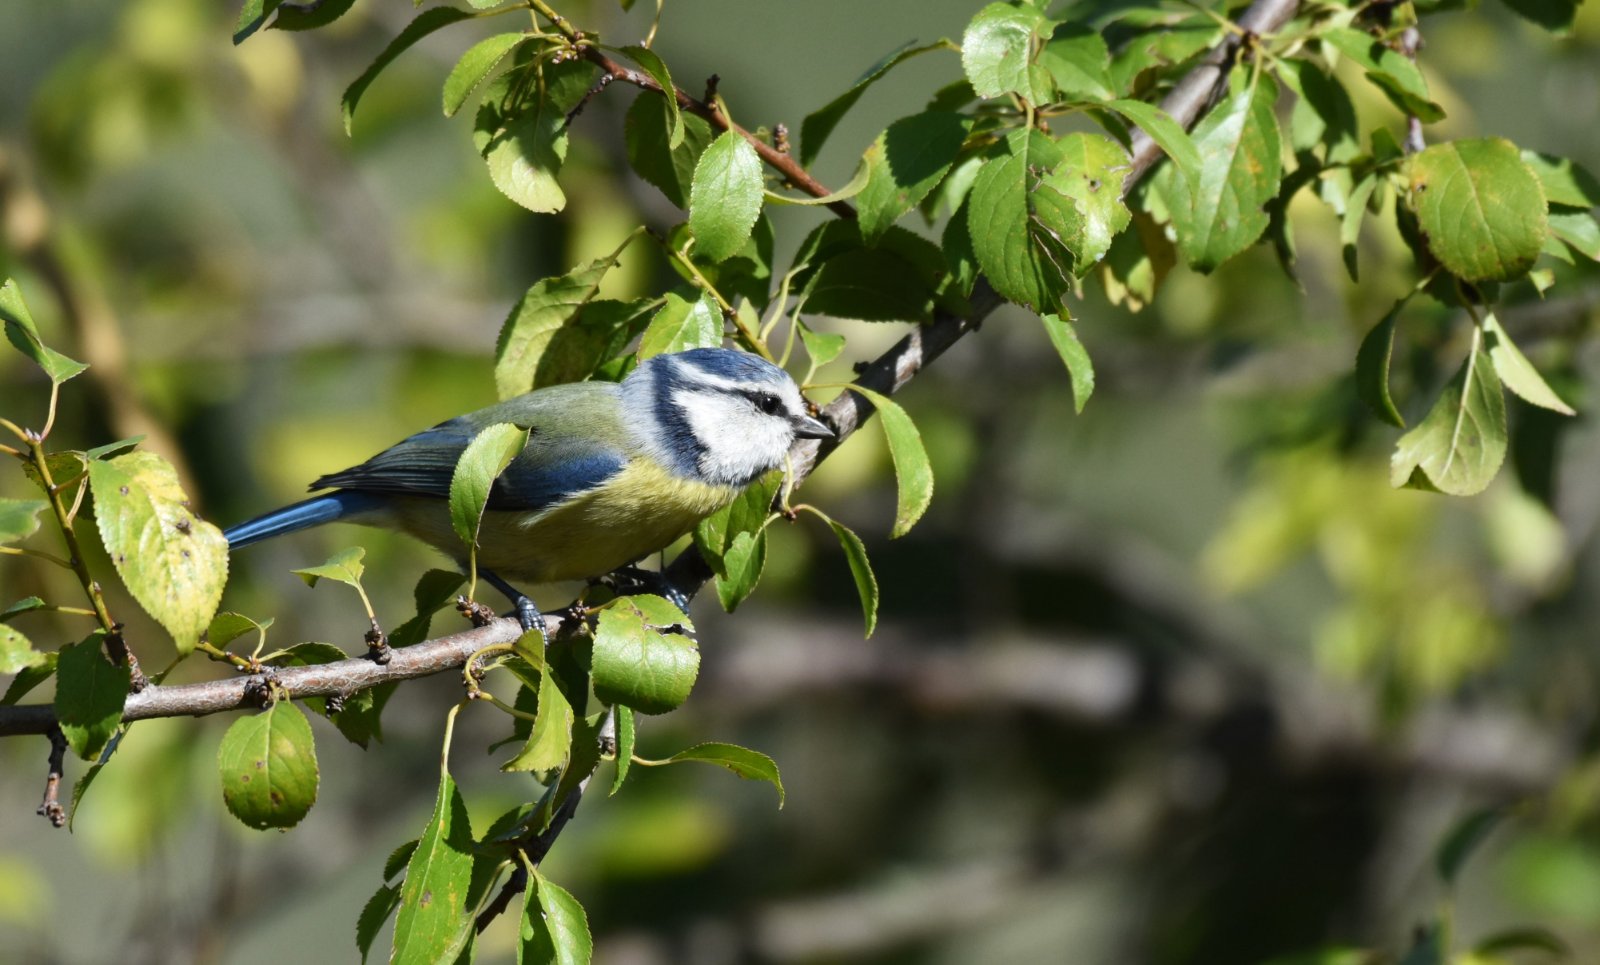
769,404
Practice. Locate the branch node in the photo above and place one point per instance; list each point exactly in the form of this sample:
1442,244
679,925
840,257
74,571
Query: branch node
377,644
780,138
260,691
480,615
710,97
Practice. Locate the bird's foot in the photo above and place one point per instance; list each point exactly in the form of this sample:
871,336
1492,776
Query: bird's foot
631,579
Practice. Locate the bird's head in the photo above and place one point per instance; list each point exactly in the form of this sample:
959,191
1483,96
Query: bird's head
717,415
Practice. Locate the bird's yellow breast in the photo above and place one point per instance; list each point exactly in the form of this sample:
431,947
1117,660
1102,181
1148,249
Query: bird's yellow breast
634,513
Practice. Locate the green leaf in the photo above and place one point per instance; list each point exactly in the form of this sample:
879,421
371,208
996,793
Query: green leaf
1480,207
474,66
344,567
682,324
481,463
1223,211
1393,72
844,278
28,678
1167,133
733,542
16,651
24,334
268,764
1089,175
657,69
398,859
1016,231
598,335
625,741
544,309
1459,446
904,164
1565,181
19,518
997,52
822,347
373,914
1372,367
546,747
251,16
174,563
1555,16
819,124
1531,938
311,16
634,664
1078,62
1517,373
554,930
648,131
855,552
1355,212
725,197
526,154
228,626
1079,368
742,761
25,605
425,23
913,473
1323,116
435,918
1464,839
742,564
1579,231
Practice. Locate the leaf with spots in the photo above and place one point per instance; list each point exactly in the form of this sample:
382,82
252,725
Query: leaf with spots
635,663
1481,208
268,765
1017,231
435,918
172,561
1089,176
90,691
999,48
16,651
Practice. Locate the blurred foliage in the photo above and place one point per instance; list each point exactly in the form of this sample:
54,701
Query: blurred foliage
1179,679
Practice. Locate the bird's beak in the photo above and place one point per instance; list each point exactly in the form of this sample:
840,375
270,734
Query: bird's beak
806,427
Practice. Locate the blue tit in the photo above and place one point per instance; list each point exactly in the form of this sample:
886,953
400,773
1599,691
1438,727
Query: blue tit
611,471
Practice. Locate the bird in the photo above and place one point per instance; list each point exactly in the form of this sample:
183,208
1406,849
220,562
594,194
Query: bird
611,471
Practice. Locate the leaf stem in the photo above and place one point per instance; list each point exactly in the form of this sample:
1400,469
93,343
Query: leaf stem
37,554
75,560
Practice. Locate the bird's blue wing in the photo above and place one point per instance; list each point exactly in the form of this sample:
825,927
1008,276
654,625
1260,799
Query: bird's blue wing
563,457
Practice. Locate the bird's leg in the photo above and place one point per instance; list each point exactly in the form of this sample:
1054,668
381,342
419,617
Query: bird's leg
528,614
631,579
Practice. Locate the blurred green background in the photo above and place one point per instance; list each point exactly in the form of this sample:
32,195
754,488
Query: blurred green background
1177,680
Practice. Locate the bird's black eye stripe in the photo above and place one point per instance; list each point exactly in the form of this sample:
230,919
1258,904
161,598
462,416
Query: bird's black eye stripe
765,401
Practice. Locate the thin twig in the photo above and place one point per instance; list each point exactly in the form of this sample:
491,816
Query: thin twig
50,807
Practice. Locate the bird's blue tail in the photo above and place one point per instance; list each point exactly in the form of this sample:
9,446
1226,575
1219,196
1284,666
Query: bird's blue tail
302,515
